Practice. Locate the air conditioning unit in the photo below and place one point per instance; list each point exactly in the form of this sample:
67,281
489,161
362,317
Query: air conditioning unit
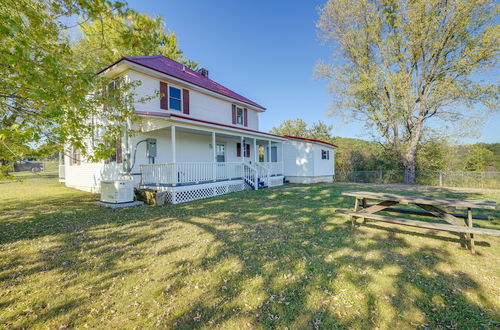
117,191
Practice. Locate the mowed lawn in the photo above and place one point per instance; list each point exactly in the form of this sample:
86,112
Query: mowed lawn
271,258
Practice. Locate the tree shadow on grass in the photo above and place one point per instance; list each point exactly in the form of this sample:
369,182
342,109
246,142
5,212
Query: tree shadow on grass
252,259
422,293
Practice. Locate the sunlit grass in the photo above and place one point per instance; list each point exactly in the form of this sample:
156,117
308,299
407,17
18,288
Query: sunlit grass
263,259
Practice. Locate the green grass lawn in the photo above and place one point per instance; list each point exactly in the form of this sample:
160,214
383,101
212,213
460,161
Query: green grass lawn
271,258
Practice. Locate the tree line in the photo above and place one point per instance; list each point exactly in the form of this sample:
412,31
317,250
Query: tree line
361,155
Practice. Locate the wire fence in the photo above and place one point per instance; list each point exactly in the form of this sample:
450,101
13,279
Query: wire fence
430,178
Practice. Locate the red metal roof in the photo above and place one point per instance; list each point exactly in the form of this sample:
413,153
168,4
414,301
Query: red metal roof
175,69
311,140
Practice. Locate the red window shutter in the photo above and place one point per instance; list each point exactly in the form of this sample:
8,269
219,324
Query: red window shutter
245,117
234,114
164,95
78,157
185,101
238,149
248,150
119,152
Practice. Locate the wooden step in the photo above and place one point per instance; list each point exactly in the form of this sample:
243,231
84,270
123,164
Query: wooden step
422,224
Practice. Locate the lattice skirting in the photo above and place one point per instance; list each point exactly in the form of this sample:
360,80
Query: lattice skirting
181,194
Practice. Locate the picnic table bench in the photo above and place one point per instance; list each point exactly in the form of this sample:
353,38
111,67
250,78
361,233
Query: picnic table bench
432,207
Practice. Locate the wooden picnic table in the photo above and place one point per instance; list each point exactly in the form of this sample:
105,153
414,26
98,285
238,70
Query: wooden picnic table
432,207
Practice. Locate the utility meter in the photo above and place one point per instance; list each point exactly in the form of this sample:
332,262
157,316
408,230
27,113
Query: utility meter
151,148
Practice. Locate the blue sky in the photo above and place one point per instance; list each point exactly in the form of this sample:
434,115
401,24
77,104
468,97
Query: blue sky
266,51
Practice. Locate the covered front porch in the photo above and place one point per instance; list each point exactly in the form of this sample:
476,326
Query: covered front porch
187,155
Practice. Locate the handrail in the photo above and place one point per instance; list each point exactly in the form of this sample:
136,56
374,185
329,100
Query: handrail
263,171
250,175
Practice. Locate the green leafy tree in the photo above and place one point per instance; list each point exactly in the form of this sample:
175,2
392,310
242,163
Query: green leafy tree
431,156
106,39
478,158
49,91
298,127
293,127
403,65
321,131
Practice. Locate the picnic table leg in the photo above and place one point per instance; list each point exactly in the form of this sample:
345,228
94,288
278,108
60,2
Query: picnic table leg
363,204
471,236
353,218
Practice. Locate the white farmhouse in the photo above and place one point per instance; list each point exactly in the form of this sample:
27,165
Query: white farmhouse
199,139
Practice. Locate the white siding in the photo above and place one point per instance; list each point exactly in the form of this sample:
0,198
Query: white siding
88,176
202,106
323,167
298,158
303,162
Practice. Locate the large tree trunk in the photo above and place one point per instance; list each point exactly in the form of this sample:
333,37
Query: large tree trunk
408,160
409,171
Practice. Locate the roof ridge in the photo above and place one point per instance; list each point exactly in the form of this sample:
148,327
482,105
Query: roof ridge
172,68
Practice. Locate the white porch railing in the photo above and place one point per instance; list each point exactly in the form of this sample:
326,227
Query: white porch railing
157,174
262,170
275,168
199,172
185,173
250,176
62,173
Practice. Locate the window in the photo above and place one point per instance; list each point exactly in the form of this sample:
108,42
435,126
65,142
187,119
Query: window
239,116
245,152
75,156
262,152
174,98
117,156
325,154
274,154
220,153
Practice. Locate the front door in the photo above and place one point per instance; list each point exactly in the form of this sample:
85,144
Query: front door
220,152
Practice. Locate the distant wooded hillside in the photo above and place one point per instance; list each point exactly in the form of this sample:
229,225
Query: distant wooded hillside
361,155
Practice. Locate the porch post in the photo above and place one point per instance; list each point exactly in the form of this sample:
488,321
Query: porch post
269,160
255,154
242,149
174,158
172,138
269,151
282,160
214,159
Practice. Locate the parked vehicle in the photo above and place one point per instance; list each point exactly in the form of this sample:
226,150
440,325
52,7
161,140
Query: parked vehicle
25,165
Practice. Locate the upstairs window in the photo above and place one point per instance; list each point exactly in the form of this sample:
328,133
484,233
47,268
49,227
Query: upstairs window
174,98
239,116
325,154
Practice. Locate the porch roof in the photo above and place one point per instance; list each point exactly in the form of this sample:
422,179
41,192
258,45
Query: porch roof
207,123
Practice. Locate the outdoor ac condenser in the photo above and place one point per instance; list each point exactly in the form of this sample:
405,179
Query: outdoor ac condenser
117,191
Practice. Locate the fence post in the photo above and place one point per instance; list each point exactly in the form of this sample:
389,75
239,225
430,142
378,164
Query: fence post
440,178
381,174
